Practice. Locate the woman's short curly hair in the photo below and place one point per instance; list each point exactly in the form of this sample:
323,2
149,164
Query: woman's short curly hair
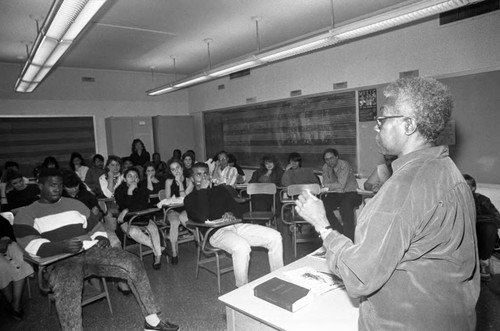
430,101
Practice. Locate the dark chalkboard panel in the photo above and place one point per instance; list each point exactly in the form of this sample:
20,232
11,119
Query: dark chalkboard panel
305,125
28,140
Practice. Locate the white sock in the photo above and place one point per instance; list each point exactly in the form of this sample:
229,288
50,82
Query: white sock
153,320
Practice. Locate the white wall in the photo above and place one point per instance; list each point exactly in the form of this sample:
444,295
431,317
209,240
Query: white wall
471,45
114,93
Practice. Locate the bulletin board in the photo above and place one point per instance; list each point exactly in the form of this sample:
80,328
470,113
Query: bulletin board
305,125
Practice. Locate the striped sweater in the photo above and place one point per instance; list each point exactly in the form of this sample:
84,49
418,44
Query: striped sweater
41,227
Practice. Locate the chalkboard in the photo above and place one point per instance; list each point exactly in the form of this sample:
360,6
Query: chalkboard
305,125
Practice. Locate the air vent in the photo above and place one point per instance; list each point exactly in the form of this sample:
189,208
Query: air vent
88,79
239,74
340,85
221,87
295,93
408,74
462,13
251,100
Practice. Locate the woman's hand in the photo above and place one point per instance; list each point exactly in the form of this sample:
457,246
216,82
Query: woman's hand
288,167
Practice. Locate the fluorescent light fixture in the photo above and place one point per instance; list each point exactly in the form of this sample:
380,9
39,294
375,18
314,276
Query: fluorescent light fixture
191,81
161,90
296,49
403,13
234,68
64,22
396,16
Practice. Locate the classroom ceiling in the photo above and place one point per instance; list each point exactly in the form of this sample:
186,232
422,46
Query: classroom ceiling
134,35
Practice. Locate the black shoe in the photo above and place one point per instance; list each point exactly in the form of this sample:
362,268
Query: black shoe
163,326
175,260
157,266
124,292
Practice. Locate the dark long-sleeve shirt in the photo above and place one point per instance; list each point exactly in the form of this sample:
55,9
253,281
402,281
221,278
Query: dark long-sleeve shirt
210,204
485,210
414,263
139,200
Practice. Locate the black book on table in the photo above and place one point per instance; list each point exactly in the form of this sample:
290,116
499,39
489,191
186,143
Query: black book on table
283,294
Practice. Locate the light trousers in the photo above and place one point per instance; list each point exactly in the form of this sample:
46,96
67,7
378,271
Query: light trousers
239,238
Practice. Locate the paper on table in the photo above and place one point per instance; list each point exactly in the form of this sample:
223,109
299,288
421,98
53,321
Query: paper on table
316,281
89,243
320,253
170,201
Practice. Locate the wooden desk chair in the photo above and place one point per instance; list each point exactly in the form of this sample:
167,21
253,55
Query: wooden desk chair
206,253
43,262
261,216
134,218
294,220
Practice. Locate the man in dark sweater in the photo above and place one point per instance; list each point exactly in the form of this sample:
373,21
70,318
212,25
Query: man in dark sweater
22,194
55,225
210,203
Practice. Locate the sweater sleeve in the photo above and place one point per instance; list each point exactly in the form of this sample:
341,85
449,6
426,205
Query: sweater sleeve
197,205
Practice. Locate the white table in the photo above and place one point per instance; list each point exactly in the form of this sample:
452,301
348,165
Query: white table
334,310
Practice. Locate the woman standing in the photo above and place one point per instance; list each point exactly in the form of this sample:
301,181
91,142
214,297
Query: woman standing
77,164
130,197
269,172
177,185
139,154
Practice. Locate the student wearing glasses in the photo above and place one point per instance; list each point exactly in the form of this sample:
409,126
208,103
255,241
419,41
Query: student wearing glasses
339,181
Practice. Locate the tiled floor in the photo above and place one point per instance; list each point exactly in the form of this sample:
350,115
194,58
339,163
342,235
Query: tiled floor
190,302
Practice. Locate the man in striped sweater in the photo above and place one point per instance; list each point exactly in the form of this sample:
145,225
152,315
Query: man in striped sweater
55,225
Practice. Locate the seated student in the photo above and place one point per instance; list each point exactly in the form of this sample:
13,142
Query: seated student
176,155
75,189
22,194
178,184
13,270
269,171
93,174
210,203
161,167
295,174
77,164
110,180
233,162
223,173
130,197
338,177
380,174
4,186
50,162
152,182
41,231
188,159
487,224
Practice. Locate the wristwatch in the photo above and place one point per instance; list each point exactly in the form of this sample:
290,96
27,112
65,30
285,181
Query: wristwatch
325,231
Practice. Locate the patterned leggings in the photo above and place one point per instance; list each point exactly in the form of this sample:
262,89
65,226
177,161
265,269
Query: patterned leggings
66,280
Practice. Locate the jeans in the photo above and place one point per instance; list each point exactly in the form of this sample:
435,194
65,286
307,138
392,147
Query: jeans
239,238
66,281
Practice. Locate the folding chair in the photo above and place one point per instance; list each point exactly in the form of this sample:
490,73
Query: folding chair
207,254
295,220
261,216
132,218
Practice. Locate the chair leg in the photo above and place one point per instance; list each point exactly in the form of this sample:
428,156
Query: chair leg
218,270
294,240
105,286
198,260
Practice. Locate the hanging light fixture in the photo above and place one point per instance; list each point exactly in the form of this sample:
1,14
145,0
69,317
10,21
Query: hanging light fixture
400,14
65,21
